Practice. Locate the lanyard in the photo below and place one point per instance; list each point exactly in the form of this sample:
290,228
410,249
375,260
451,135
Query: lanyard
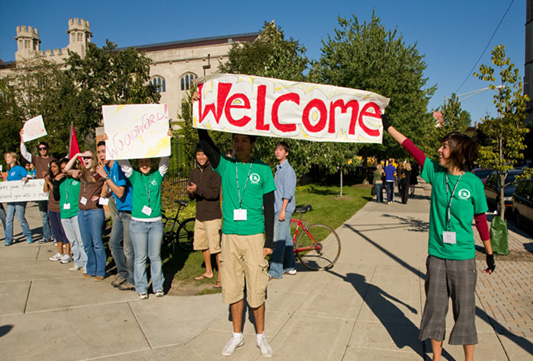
67,188
449,208
245,184
147,190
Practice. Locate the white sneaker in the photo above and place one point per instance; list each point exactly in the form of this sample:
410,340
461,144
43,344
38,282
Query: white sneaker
262,344
232,344
74,268
292,272
56,257
66,259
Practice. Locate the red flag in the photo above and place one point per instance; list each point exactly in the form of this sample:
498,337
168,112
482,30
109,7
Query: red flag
73,143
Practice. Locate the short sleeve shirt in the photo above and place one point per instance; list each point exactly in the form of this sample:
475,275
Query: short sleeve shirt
255,180
146,193
16,173
119,178
69,193
468,200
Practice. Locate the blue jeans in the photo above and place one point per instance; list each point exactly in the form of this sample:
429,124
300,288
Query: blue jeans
18,208
389,186
43,209
3,216
120,245
72,231
147,238
282,259
379,192
91,222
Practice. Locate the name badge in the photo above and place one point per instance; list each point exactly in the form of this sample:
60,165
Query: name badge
103,201
240,214
66,206
147,210
448,237
83,200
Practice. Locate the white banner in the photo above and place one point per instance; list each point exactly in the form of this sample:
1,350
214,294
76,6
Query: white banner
18,191
136,131
33,129
279,108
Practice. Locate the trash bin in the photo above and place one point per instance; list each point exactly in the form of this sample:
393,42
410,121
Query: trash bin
498,236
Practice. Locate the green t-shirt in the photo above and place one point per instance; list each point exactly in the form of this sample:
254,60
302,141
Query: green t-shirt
255,180
69,193
146,192
468,200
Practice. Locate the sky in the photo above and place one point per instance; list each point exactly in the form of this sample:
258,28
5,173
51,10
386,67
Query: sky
452,35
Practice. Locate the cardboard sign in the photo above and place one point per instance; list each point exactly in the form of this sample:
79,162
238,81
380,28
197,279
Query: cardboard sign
33,129
18,191
278,108
136,131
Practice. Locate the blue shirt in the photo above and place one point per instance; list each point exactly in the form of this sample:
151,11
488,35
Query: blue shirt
285,187
16,173
389,173
119,178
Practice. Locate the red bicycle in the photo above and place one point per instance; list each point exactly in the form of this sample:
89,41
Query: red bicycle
317,246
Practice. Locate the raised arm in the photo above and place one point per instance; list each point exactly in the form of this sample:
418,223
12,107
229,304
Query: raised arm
163,166
23,151
210,149
126,167
405,142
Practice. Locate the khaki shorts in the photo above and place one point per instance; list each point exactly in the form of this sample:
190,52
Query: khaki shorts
242,259
207,235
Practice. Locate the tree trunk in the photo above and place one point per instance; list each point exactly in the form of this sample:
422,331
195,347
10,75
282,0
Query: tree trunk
341,175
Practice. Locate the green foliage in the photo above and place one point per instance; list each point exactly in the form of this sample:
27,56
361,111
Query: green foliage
505,133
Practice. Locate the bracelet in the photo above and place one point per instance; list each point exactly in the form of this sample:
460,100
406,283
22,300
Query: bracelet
106,178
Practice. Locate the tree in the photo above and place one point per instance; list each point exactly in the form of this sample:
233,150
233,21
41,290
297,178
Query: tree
367,56
504,133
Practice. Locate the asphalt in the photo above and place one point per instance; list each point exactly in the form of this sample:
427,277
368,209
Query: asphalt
368,307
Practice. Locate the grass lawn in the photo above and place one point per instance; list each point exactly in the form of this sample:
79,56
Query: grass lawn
328,208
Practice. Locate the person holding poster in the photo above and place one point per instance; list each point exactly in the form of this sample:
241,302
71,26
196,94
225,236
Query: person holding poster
91,214
146,226
15,173
41,163
248,212
457,198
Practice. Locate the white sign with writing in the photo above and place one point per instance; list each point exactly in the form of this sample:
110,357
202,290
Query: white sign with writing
18,191
136,131
33,129
279,108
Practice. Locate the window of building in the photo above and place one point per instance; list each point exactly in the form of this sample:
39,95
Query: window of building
159,83
186,81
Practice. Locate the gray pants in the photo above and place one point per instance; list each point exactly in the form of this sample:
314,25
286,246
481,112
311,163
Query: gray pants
456,280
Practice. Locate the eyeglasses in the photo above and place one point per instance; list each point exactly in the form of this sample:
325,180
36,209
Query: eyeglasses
43,148
86,158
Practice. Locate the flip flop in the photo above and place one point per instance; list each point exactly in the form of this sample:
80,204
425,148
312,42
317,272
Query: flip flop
198,278
217,285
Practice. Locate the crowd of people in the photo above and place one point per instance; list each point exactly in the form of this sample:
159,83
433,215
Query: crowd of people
404,174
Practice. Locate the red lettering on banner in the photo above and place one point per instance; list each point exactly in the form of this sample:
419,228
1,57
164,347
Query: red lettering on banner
354,104
260,114
375,114
222,94
285,128
321,124
230,105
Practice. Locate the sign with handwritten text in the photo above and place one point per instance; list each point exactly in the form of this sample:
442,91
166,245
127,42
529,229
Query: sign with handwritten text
33,129
279,108
136,131
18,191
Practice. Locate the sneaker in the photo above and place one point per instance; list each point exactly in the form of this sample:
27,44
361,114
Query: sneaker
232,344
75,268
7,244
143,296
159,293
57,257
87,276
126,286
262,344
66,259
98,278
292,272
118,281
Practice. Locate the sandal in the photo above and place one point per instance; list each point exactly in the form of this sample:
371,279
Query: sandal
217,285
199,278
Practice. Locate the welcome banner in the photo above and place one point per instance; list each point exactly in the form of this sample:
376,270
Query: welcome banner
279,108
136,131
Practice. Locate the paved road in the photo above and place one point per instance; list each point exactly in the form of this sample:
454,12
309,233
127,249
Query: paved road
367,308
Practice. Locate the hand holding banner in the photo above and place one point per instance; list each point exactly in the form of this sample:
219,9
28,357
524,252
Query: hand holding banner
136,131
33,129
279,108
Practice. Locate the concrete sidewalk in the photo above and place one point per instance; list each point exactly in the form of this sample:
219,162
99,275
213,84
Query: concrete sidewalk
368,307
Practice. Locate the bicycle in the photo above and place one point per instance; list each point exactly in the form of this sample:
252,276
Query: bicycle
183,236
317,246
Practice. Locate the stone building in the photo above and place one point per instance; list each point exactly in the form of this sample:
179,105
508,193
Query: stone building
174,64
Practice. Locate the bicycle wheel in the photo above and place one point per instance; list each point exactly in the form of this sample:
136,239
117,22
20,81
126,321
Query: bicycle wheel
186,235
319,251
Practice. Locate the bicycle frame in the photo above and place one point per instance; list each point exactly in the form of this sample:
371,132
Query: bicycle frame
301,225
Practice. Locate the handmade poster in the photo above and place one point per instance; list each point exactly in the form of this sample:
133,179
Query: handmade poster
279,108
33,129
136,131
18,191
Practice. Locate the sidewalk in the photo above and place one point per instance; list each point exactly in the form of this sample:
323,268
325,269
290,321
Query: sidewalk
368,307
